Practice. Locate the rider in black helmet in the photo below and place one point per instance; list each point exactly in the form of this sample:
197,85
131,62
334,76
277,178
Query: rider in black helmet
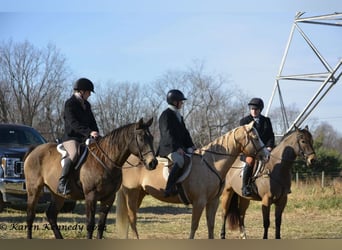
175,139
80,124
264,127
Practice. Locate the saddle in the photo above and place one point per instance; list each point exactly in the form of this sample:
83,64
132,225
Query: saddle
258,170
168,165
82,152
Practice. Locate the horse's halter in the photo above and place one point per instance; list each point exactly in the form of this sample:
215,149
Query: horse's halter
248,139
301,150
147,134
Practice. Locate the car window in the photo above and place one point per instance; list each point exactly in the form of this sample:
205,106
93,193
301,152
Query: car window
20,137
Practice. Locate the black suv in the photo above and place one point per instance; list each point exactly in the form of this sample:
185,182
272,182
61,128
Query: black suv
15,141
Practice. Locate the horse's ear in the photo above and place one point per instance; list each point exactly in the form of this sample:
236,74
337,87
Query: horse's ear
149,122
306,128
140,123
295,127
250,125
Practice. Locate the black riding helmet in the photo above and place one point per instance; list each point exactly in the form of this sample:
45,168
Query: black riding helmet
84,84
174,95
256,103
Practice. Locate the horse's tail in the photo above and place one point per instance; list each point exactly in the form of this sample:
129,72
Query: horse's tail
121,215
31,148
233,213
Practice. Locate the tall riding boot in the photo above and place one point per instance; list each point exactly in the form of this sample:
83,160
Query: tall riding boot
171,181
63,185
247,174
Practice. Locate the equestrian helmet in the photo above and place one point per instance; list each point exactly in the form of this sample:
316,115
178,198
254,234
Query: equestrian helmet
175,95
84,84
256,103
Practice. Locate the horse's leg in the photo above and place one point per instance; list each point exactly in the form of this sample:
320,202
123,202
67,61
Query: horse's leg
197,210
211,209
51,213
90,202
266,219
105,206
32,200
134,199
279,209
226,198
243,206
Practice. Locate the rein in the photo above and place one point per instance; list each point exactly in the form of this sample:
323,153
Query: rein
109,170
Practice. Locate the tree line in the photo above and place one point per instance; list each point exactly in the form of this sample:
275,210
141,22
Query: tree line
35,82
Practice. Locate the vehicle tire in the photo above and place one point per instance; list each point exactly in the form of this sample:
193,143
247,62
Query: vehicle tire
2,203
69,206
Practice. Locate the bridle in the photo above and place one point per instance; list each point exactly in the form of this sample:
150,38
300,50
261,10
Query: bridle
248,139
301,151
148,135
140,153
235,142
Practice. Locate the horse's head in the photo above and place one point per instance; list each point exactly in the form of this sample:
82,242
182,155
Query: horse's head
251,144
304,145
144,144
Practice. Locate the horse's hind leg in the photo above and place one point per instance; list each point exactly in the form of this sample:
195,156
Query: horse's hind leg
225,203
32,200
134,199
90,213
243,206
104,209
266,220
52,212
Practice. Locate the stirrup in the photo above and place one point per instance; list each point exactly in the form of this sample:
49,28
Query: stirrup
247,191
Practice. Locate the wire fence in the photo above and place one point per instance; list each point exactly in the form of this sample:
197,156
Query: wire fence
325,179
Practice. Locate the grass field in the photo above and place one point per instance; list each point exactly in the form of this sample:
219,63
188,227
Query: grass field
312,212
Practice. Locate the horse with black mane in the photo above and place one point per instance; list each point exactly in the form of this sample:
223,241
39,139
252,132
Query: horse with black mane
98,178
271,184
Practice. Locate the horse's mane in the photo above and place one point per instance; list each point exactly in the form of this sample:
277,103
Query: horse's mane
117,137
293,131
216,144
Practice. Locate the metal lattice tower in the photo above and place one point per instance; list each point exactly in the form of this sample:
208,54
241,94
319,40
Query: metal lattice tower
327,78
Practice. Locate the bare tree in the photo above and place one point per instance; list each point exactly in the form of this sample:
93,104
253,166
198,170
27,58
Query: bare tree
34,77
211,108
119,104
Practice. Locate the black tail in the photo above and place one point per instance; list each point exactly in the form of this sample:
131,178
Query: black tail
31,148
233,213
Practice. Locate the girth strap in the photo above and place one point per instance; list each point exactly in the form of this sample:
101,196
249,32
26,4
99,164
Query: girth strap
218,176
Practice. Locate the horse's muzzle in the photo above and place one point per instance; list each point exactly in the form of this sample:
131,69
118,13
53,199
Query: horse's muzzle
311,159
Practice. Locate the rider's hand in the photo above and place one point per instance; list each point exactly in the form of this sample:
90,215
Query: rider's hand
94,134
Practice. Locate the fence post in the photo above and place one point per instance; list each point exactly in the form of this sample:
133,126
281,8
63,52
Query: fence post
322,179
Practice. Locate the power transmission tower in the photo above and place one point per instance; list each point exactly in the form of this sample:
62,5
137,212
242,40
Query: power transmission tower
328,78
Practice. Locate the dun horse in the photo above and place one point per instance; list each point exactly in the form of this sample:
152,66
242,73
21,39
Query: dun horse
202,186
99,177
271,185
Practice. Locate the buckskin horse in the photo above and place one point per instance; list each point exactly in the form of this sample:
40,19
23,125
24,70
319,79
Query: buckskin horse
99,177
202,186
271,184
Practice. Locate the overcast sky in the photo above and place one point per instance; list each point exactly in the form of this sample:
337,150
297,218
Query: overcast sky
138,41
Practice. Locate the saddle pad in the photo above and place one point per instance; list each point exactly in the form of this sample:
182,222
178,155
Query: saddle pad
185,174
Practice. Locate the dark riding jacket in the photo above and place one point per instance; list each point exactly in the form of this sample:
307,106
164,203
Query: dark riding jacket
173,133
79,120
264,129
